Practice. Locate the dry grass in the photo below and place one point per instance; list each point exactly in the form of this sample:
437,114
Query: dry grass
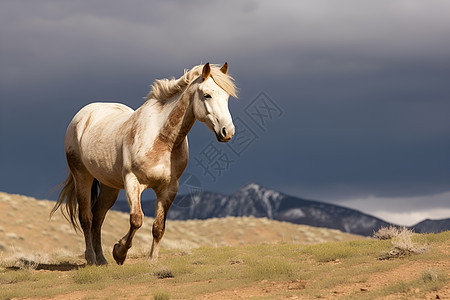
402,244
386,232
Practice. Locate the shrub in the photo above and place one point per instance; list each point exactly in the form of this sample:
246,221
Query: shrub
161,296
25,261
402,245
386,233
163,273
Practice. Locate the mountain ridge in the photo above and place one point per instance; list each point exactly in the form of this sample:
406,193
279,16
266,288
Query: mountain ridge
255,200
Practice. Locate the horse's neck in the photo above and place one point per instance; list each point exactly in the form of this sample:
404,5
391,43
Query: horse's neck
173,119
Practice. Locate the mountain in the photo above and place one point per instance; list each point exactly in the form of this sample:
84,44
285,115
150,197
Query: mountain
255,200
432,226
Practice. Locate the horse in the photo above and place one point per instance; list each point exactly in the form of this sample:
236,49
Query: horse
110,147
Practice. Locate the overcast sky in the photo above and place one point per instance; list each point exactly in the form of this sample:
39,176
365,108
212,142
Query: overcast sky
357,91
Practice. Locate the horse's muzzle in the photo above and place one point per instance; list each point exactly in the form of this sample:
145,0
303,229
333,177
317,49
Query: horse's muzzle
225,134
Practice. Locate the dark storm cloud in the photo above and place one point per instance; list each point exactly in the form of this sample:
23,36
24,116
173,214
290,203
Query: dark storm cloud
300,38
364,86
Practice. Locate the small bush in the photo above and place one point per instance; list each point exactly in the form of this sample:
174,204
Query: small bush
430,275
433,279
163,273
24,261
402,245
26,264
161,296
403,239
386,233
404,242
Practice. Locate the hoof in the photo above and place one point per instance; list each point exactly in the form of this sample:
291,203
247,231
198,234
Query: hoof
90,258
101,261
119,253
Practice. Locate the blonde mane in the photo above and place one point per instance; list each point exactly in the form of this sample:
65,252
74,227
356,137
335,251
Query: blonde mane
163,89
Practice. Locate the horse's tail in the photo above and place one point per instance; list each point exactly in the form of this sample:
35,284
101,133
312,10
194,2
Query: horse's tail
68,196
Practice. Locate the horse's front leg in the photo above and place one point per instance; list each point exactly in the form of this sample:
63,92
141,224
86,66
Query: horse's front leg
133,191
164,199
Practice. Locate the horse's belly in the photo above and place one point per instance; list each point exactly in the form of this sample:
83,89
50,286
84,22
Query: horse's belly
105,167
114,182
109,177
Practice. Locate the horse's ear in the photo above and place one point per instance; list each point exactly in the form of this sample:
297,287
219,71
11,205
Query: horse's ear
224,68
206,71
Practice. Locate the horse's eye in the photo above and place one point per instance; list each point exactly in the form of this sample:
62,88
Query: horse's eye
207,96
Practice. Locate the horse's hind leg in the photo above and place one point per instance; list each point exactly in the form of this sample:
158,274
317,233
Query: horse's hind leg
105,201
133,190
83,185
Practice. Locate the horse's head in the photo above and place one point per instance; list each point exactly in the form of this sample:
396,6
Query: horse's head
211,101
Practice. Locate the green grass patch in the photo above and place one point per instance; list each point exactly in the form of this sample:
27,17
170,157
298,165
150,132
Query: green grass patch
432,238
15,277
90,274
132,271
269,268
127,272
327,252
28,283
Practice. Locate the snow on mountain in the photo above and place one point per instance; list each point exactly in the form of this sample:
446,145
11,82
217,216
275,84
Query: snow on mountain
258,201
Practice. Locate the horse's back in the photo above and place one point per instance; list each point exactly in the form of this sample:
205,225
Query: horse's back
99,110
95,136
97,115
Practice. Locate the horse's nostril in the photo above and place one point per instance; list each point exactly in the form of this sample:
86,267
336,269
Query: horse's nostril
224,132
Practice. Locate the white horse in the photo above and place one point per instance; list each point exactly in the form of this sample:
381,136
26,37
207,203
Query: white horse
111,144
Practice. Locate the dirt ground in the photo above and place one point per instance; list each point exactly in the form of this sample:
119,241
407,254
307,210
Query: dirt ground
266,289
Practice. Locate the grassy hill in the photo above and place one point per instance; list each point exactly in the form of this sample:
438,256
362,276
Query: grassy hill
247,267
25,227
